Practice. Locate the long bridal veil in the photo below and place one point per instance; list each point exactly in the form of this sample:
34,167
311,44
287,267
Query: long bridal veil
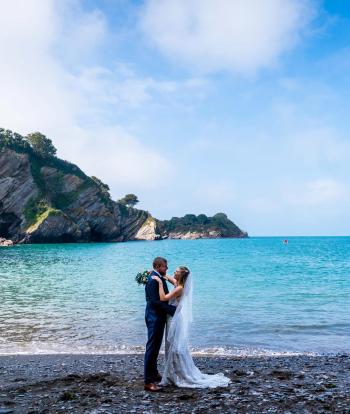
179,366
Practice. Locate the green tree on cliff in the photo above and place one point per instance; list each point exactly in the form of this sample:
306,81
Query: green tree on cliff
41,145
12,140
202,219
104,189
102,185
129,200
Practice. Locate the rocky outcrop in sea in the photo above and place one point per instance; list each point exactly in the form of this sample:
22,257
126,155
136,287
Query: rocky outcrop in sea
190,227
44,199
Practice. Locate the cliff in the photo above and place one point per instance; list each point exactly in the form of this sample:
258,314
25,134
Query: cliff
44,199
40,203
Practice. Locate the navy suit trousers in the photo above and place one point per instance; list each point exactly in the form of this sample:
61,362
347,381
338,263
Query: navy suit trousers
156,313
155,328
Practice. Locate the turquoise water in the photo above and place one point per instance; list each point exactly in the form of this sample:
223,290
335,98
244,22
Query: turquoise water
251,296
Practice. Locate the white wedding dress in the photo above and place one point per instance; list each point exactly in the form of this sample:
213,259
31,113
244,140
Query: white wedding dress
179,368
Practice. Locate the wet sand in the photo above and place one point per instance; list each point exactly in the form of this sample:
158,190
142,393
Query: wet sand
114,384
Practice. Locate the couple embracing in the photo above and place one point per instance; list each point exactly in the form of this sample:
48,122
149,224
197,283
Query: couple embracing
172,311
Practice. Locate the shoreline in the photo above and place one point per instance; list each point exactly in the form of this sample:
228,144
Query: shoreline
195,352
113,383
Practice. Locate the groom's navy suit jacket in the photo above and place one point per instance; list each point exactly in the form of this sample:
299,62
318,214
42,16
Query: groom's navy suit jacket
156,312
155,307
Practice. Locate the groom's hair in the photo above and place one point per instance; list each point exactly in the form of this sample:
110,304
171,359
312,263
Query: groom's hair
159,261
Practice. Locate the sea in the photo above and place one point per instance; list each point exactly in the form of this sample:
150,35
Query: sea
252,297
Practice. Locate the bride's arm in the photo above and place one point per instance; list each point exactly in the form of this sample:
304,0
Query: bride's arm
171,279
165,297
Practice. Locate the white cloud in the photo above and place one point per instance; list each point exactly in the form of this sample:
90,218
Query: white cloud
320,192
40,90
118,158
81,32
234,35
122,86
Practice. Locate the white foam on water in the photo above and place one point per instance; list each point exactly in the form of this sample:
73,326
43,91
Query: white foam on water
35,348
245,352
52,349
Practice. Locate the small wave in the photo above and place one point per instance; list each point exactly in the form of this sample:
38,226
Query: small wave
53,349
245,352
219,351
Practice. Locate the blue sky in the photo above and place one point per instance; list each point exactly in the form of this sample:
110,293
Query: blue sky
196,106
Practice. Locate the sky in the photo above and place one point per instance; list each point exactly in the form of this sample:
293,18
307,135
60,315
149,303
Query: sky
196,106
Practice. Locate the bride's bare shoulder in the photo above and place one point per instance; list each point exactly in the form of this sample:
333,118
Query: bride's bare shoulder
178,290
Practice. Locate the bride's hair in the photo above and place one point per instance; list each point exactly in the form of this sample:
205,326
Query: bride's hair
184,272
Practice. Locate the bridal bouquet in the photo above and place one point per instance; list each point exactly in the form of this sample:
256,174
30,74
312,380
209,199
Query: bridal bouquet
142,277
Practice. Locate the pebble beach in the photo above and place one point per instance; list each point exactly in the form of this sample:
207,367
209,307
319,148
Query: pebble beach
38,384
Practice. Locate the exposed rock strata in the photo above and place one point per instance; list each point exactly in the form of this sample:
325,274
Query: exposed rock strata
192,235
5,242
148,230
53,201
58,207
54,227
16,188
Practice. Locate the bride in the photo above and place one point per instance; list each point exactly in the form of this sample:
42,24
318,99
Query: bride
179,367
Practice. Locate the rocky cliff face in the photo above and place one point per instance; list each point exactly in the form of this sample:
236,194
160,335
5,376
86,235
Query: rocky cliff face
43,204
148,230
44,199
16,188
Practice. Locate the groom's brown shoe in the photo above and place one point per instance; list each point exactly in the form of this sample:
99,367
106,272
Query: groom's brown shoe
153,387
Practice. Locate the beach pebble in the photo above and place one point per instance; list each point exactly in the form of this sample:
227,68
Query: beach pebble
90,386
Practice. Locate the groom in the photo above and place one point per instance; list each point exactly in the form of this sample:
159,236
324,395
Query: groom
156,312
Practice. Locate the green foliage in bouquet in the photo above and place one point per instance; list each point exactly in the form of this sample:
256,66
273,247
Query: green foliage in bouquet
142,277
